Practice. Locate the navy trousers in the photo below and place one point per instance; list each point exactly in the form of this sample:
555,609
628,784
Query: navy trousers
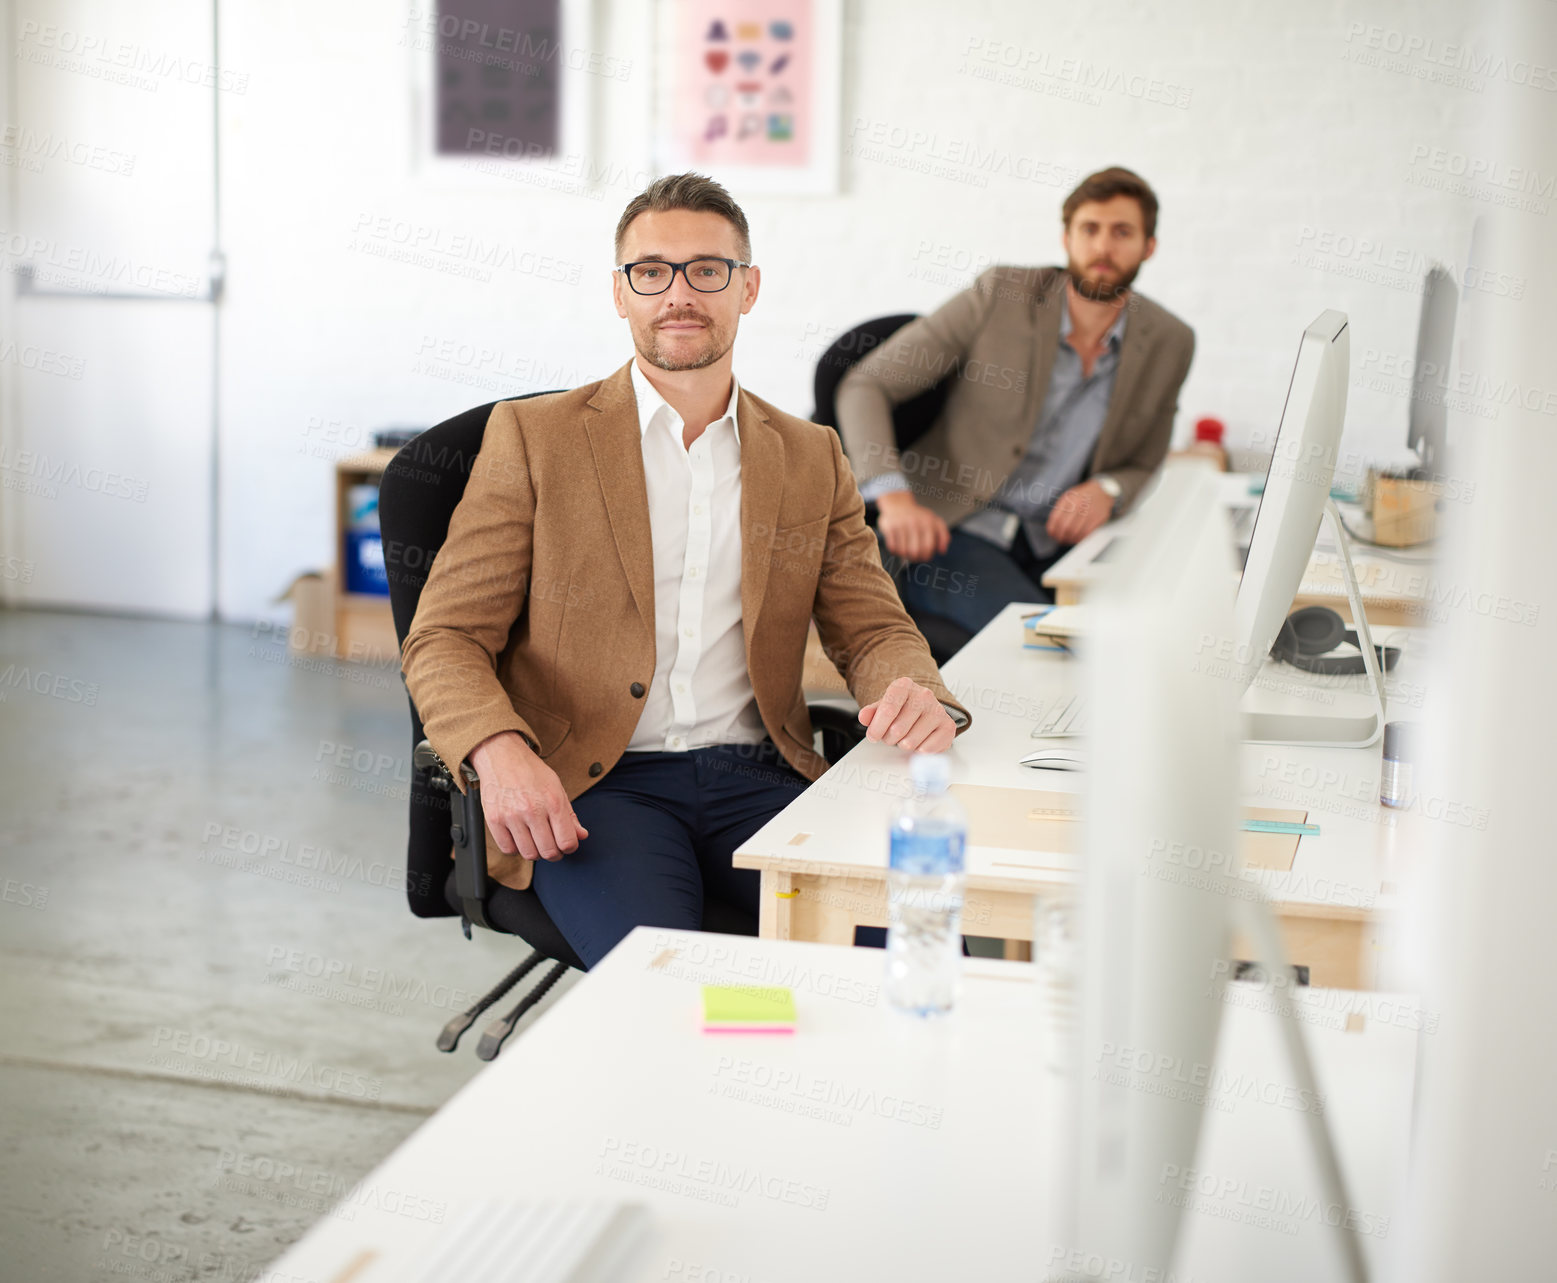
662,828
972,581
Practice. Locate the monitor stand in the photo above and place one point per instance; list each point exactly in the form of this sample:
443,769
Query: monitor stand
1257,916
1318,730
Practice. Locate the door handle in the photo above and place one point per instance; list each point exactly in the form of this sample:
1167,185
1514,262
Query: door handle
211,292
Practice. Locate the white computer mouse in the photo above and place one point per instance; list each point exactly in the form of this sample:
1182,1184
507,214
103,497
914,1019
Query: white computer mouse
1056,759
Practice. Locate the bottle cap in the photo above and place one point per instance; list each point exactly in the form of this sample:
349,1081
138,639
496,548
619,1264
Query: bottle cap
930,772
1209,430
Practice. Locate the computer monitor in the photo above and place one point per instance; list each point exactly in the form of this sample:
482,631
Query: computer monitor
1296,494
1133,977
1427,419
1478,894
1164,733
1297,487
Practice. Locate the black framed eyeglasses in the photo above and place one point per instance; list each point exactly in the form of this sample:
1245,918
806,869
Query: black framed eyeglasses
706,275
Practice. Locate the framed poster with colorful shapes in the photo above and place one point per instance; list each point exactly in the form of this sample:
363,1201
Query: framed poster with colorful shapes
748,91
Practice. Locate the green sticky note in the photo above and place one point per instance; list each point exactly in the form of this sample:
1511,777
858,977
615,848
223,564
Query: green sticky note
1280,826
748,1009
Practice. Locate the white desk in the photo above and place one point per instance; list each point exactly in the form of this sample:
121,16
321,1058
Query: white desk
904,1150
1394,591
824,857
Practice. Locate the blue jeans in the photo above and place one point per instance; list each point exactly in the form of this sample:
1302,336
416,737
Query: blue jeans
662,828
971,582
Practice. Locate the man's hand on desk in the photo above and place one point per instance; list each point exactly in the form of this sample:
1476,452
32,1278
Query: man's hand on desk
523,801
909,529
910,716
1078,512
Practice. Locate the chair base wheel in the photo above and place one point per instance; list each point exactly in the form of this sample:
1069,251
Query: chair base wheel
449,1036
497,1032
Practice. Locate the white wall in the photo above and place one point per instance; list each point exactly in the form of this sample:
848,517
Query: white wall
1287,143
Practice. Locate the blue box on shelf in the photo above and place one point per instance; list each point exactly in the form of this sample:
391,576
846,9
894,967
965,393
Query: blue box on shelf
365,563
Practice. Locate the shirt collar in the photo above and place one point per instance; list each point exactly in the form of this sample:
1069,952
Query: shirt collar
1112,337
650,403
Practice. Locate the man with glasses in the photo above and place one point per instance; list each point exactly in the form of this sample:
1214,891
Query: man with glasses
614,631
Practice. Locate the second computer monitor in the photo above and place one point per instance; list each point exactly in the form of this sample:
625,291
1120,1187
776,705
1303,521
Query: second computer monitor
1297,488
1427,422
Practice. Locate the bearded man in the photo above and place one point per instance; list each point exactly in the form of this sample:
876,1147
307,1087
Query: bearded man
1062,387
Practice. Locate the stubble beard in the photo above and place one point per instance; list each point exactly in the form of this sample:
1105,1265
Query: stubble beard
1097,290
715,345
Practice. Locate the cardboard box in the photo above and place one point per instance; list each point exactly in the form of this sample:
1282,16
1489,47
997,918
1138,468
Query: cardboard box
1404,511
312,595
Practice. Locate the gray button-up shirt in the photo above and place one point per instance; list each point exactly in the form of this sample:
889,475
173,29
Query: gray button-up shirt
1059,451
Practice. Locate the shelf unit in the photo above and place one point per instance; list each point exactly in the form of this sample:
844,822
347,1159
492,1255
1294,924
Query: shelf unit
364,628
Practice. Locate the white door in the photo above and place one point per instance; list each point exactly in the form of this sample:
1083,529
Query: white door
108,346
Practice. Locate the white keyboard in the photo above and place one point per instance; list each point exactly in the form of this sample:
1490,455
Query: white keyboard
1066,716
544,1242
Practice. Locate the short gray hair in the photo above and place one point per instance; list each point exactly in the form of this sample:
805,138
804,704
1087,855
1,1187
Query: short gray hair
695,192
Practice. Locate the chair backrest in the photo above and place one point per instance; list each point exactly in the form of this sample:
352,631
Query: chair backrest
910,420
420,489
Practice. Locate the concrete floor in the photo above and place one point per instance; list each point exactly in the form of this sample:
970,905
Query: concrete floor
207,1041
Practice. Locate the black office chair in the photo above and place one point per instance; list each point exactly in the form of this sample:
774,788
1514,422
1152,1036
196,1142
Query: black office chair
910,421
419,491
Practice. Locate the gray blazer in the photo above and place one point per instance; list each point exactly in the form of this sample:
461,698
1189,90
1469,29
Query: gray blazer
999,337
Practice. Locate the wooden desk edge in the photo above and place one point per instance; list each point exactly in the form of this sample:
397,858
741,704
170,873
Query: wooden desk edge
793,867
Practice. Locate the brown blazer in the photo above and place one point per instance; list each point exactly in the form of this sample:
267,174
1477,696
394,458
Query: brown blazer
1000,336
538,614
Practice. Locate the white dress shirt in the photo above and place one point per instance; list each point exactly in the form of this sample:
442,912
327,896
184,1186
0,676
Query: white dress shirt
701,693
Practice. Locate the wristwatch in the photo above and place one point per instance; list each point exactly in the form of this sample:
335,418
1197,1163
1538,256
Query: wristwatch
1109,486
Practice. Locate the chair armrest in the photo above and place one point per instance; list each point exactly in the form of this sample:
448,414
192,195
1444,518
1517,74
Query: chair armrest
839,723
467,831
426,758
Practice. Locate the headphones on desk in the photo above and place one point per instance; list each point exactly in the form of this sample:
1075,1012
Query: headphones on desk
1310,634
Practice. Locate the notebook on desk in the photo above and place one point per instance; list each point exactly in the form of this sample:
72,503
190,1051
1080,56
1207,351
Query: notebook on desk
1034,640
1058,626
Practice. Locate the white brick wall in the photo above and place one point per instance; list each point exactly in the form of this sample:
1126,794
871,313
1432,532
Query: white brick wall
1284,162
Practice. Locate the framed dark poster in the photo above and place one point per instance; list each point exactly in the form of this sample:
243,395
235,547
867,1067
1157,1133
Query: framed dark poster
497,68
502,86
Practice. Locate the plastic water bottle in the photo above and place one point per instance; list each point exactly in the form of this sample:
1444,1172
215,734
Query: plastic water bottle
924,892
